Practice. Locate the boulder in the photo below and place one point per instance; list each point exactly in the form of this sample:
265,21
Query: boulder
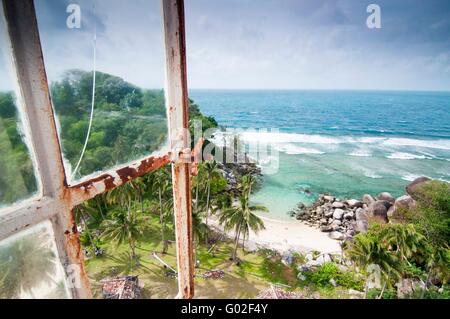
323,221
368,199
336,235
328,214
402,203
408,286
338,213
362,221
386,197
360,214
353,203
350,233
328,198
361,226
379,210
349,215
326,229
336,222
411,189
338,205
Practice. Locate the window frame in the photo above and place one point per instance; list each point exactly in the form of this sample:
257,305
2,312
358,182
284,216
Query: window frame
57,198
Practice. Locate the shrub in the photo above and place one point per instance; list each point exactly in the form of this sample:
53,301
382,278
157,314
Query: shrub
323,275
387,294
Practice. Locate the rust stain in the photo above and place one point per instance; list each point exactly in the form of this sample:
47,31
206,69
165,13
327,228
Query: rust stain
89,189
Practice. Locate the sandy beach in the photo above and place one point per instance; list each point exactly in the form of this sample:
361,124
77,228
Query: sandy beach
288,235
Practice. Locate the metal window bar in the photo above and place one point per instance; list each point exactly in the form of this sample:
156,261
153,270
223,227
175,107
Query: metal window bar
57,198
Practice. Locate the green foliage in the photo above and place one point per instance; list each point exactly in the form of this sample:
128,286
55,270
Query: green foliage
324,274
24,265
432,214
128,122
387,294
432,293
273,270
17,178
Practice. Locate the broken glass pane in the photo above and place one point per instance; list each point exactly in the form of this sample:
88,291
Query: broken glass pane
112,51
17,176
30,267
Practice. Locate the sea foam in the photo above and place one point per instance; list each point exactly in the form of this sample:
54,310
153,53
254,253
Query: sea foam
406,156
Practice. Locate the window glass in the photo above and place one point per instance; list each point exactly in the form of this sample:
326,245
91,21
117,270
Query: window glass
17,177
30,267
121,43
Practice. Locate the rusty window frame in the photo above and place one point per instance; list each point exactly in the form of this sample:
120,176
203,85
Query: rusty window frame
57,199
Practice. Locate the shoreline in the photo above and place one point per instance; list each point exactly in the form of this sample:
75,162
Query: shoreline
283,236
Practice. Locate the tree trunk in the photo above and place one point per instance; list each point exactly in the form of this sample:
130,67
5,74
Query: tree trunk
196,196
207,213
236,244
164,240
195,254
382,290
133,250
160,206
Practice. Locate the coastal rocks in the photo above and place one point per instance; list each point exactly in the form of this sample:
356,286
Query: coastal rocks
362,221
353,203
386,197
338,205
400,205
408,286
379,210
338,214
349,215
411,189
336,235
368,199
343,219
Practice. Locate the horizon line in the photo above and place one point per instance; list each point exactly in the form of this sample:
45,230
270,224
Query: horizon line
316,89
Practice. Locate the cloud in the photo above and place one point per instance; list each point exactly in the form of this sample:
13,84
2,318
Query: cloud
258,43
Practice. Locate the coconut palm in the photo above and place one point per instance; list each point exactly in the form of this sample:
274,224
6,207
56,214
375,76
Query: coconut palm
199,231
404,240
211,171
161,185
167,209
197,182
247,183
123,195
125,227
242,219
368,250
24,265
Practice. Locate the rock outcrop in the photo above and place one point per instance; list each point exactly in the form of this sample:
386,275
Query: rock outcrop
342,219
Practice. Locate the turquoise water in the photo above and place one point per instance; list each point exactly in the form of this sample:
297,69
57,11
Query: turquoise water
347,143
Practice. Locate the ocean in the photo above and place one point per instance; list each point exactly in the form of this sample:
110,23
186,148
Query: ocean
347,143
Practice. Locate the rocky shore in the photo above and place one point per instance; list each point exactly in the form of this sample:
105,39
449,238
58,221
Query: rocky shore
344,218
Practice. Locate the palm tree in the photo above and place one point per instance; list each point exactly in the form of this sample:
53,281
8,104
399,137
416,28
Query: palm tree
247,183
125,227
197,181
242,219
211,171
123,195
368,250
199,231
24,265
167,213
161,184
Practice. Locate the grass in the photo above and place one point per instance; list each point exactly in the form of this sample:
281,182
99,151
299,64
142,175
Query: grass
240,281
255,271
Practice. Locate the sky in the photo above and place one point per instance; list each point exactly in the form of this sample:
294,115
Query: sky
257,44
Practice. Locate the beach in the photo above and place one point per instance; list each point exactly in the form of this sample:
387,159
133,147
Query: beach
283,236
